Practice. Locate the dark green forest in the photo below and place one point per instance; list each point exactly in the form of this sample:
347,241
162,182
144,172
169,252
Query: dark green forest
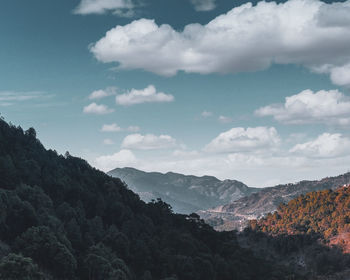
62,219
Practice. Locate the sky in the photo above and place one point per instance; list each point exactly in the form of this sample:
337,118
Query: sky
252,91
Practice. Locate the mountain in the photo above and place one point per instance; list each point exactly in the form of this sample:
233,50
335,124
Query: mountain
236,215
62,219
186,194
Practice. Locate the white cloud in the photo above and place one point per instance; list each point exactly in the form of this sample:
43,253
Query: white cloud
119,7
94,108
331,107
108,141
269,168
101,93
325,145
123,158
247,38
148,142
203,5
206,114
224,119
147,95
133,128
341,75
111,128
242,140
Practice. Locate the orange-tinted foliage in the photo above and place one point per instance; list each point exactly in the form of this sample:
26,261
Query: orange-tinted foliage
326,213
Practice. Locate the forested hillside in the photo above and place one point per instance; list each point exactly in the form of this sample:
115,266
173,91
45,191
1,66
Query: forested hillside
324,213
62,219
311,233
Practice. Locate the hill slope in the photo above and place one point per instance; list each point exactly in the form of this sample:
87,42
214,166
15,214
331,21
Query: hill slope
311,233
236,215
186,194
325,213
62,219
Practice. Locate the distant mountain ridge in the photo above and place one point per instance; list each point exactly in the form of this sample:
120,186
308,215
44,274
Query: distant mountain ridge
185,193
235,215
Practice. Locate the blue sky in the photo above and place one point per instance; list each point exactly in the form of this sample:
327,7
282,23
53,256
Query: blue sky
256,92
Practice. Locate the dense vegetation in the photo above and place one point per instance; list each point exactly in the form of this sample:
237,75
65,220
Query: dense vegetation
314,229
326,213
62,219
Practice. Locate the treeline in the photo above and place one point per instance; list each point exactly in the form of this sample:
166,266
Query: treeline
62,219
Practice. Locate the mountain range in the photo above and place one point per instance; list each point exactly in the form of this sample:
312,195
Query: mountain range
225,205
185,193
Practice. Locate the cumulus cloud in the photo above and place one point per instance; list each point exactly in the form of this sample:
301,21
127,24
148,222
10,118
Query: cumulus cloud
118,7
147,95
241,139
96,109
148,142
331,107
203,5
101,93
325,145
247,38
341,75
123,158
111,128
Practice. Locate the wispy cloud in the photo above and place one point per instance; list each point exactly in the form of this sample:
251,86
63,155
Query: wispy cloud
96,109
206,114
111,128
108,141
224,119
203,5
133,128
122,8
102,93
148,142
8,98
